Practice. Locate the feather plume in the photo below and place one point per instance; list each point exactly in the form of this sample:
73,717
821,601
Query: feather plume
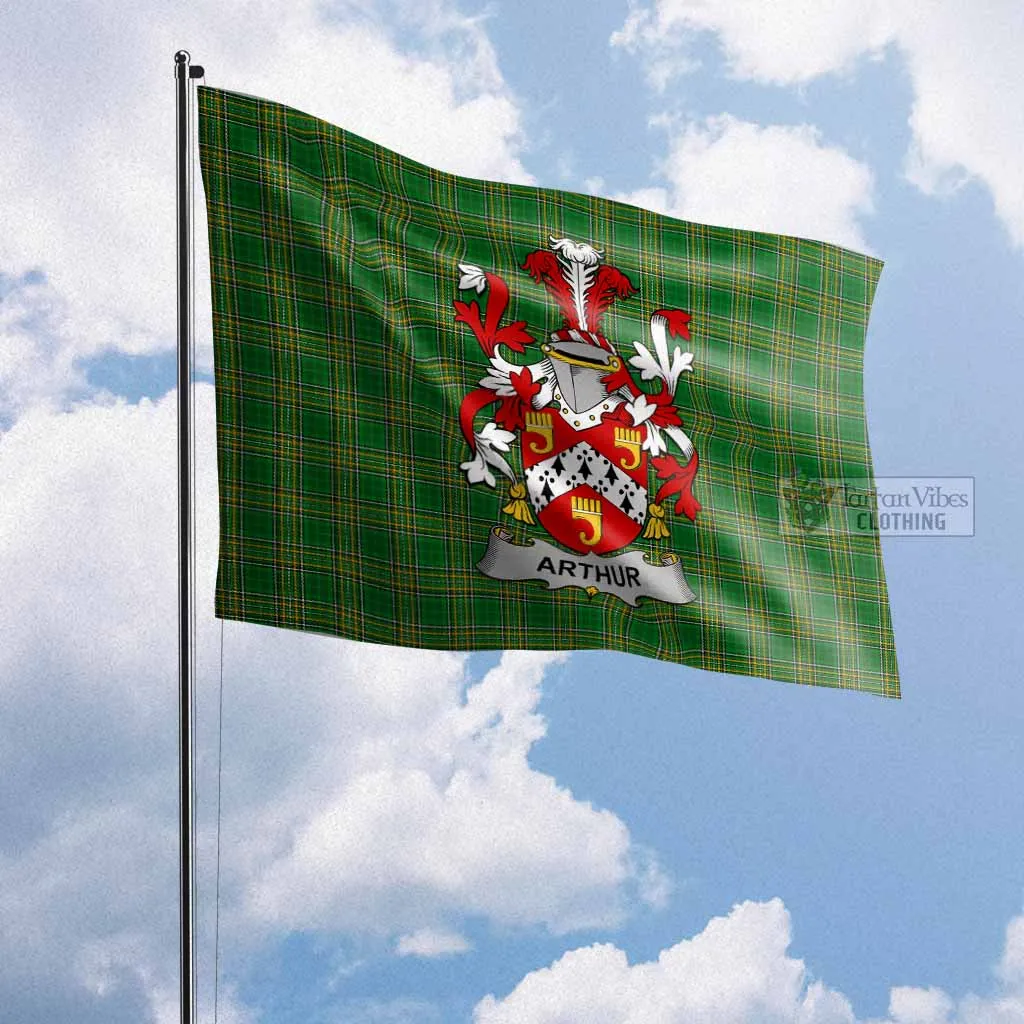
609,284
544,268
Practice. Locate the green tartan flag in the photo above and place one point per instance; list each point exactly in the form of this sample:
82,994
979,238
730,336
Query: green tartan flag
468,415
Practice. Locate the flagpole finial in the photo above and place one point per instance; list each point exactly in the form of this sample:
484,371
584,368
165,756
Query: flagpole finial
184,57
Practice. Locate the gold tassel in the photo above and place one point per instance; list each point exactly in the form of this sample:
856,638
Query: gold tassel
517,507
656,528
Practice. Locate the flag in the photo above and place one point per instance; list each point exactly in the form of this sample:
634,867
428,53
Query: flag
466,415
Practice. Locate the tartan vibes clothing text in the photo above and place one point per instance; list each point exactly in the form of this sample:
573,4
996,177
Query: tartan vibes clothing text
469,415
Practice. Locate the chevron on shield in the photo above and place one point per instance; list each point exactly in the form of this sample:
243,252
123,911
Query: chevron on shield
589,492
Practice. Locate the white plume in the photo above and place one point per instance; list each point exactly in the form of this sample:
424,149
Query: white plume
660,364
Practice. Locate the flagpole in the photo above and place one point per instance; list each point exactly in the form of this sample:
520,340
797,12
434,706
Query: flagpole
183,72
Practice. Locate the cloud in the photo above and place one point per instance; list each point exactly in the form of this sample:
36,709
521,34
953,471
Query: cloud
88,854
431,942
86,169
910,1005
1011,967
438,812
781,43
736,971
782,179
919,1006
366,790
967,117
36,356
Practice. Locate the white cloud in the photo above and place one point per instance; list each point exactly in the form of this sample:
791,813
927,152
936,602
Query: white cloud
36,356
367,790
86,169
782,179
919,1006
1011,967
784,43
439,812
432,942
736,971
963,57
908,1005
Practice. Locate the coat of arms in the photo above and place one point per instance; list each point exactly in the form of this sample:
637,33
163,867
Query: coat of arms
588,436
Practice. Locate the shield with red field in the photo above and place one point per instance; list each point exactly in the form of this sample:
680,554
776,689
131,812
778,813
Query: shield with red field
586,478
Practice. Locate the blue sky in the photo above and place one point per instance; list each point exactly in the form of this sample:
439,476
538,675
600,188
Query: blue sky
413,837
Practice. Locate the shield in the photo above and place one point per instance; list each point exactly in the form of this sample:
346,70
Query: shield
586,478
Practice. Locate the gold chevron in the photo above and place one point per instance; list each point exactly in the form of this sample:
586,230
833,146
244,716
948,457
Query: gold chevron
589,510
630,439
539,423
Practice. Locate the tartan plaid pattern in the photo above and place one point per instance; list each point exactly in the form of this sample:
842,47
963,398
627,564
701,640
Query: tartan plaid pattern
340,370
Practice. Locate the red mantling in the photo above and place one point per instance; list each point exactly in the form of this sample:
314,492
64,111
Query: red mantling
471,405
677,321
489,332
513,410
678,481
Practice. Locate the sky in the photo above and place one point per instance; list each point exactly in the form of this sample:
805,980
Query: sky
412,837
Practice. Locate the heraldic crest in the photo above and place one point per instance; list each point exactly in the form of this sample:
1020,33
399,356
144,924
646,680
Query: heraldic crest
588,436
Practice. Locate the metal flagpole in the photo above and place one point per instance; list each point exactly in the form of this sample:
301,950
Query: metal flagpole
183,72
